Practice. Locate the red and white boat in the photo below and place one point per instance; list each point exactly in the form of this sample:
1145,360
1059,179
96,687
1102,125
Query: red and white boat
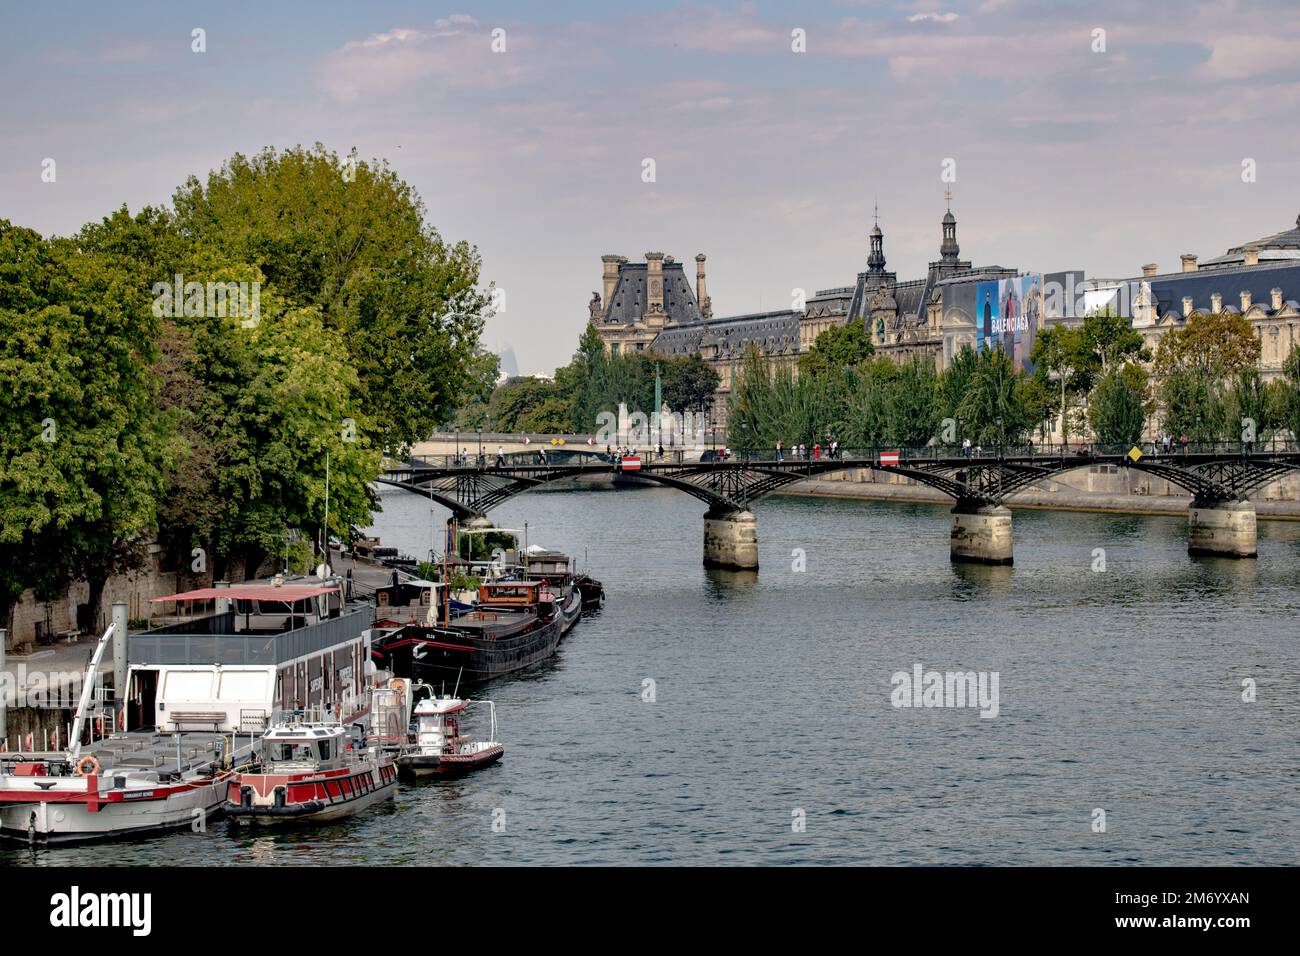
440,748
310,771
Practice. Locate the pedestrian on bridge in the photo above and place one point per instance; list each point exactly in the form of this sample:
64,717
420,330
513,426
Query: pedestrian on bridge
501,456
778,449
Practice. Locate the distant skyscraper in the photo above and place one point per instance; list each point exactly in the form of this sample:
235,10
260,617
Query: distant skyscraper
509,364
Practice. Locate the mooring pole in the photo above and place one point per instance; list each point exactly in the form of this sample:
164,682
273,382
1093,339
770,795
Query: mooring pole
4,726
120,640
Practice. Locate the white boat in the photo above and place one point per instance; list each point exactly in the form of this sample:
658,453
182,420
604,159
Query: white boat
199,693
310,771
440,748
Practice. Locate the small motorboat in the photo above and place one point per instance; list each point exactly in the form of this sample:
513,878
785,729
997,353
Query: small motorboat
440,748
310,771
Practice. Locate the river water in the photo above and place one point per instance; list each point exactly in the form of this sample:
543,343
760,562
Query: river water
721,717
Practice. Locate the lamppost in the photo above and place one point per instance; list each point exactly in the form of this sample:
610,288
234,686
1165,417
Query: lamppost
480,446
455,448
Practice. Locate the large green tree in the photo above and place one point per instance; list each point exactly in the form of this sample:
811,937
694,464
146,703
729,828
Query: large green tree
350,238
839,347
83,449
1117,409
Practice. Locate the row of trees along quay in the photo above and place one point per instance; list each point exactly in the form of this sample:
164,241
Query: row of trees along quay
593,382
136,413
1202,383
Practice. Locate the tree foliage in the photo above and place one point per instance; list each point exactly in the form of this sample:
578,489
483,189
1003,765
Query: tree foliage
350,239
128,420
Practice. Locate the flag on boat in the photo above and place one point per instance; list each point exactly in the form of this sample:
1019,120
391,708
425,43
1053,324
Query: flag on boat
631,463
889,459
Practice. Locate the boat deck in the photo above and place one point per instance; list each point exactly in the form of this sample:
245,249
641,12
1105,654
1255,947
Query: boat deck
135,752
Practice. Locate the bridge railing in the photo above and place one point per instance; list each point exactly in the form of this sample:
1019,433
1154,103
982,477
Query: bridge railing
553,456
1056,450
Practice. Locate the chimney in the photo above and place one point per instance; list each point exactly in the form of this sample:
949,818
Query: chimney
1251,254
701,290
654,283
611,274
1189,262
1277,299
1187,306
1150,269
1245,299
1216,302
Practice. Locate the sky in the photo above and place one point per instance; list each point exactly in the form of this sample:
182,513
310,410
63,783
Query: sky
1099,136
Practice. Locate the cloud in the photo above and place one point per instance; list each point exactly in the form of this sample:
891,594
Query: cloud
935,17
456,53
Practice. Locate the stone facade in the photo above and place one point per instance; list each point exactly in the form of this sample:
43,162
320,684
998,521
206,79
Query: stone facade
1259,280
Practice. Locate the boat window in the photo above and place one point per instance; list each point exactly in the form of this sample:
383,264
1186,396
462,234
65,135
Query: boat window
293,750
325,750
244,685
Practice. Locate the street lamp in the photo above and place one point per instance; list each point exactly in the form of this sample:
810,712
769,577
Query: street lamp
480,446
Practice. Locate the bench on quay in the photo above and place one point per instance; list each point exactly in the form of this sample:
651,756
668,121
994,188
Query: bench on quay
212,719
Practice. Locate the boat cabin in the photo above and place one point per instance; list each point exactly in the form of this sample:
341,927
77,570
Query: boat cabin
269,648
300,746
415,601
437,729
509,593
549,564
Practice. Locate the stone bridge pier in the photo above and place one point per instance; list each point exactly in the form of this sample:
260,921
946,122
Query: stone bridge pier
730,539
981,533
1224,529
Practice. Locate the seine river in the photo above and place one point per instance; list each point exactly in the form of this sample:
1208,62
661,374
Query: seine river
771,737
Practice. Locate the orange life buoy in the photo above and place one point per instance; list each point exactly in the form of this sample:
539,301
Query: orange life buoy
94,766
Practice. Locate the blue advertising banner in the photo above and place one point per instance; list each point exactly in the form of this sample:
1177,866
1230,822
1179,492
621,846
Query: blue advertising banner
1008,315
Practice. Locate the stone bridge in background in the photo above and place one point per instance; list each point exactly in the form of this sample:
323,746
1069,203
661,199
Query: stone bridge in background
1221,477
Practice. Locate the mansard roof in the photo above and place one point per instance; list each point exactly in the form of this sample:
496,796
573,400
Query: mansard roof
1229,282
768,330
1284,245
627,303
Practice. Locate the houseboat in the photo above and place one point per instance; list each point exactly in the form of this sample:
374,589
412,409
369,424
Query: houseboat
514,625
199,693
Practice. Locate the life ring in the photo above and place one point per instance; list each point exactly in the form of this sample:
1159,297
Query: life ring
94,766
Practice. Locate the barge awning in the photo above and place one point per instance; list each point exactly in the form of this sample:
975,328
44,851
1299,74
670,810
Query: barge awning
268,592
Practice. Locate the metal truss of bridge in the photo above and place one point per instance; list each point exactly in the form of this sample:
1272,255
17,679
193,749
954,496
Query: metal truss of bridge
1221,478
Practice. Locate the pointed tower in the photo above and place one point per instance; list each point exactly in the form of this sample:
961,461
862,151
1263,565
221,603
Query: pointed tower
948,249
876,258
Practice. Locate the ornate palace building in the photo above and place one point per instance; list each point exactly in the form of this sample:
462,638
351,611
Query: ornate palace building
651,305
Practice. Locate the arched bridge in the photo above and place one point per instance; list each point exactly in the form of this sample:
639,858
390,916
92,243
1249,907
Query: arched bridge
1221,478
